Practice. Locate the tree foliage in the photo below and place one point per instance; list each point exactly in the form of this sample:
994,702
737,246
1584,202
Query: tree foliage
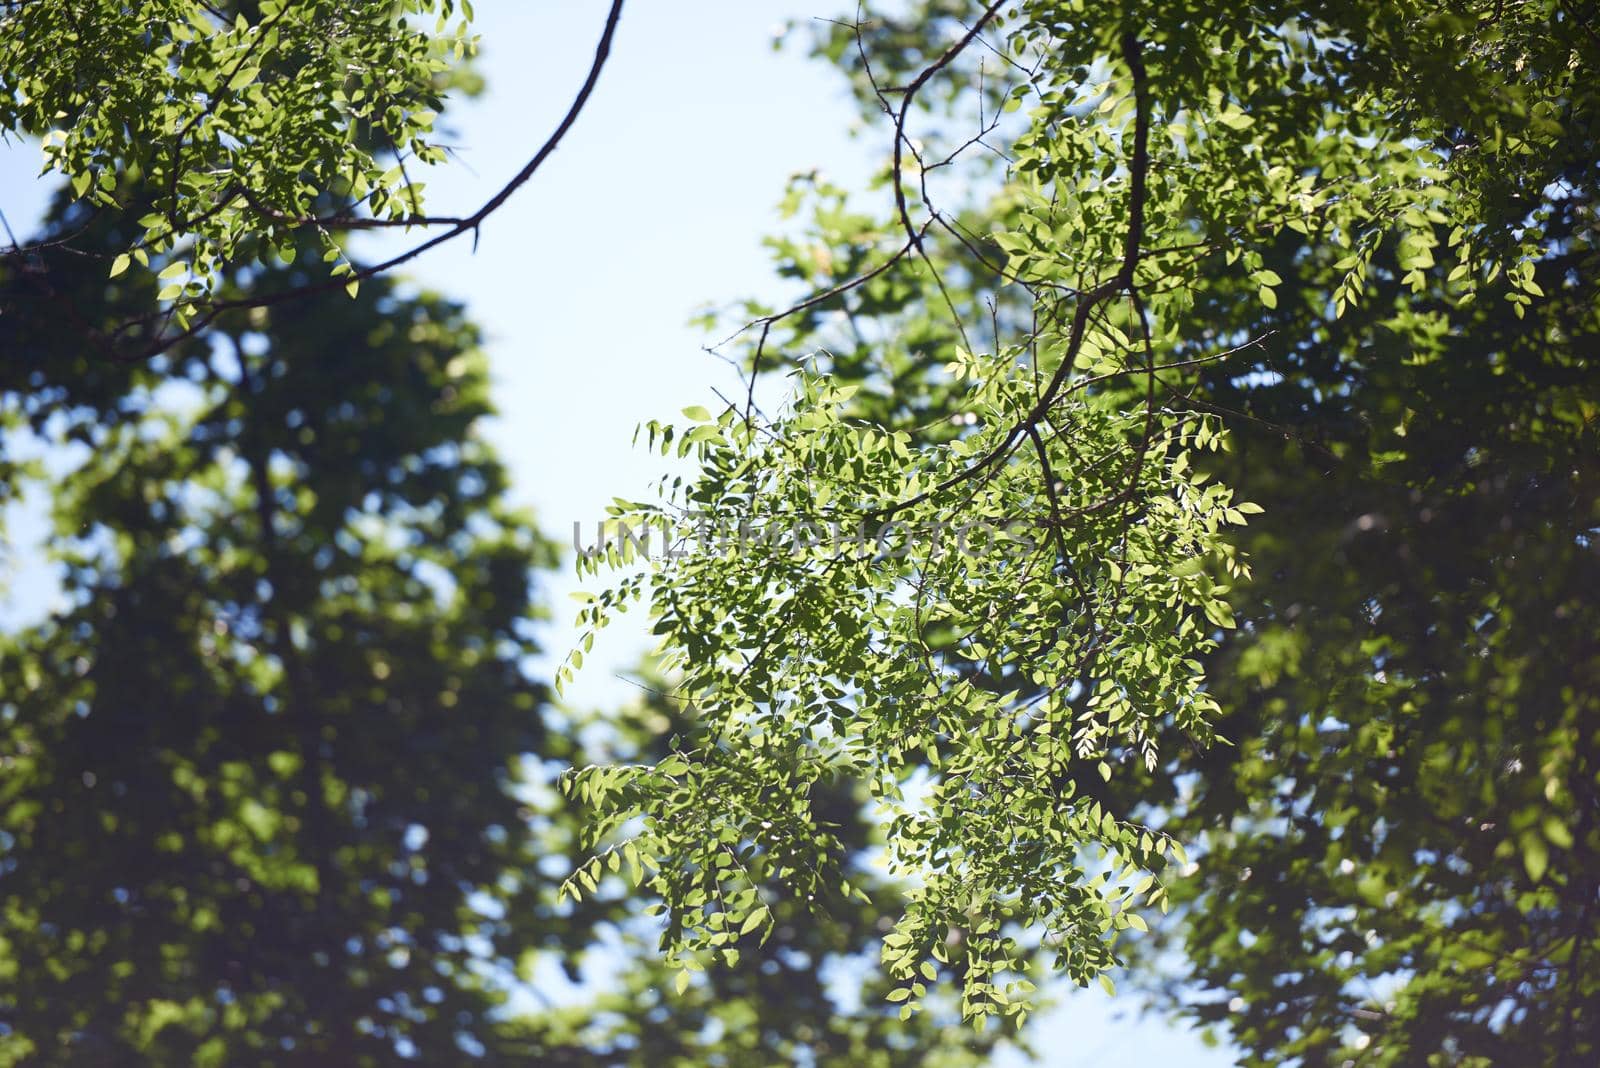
253,127
1134,265
803,647
1401,852
800,988
244,124
1298,222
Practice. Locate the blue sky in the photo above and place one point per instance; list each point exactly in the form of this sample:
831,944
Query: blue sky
584,282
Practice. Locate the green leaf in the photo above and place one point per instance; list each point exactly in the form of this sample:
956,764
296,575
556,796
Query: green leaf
244,77
756,918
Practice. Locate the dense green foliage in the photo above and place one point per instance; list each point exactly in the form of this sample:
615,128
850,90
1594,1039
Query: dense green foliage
803,647
1402,852
246,122
803,990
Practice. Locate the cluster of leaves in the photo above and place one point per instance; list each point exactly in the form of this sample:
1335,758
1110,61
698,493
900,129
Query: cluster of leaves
244,123
1400,860
1357,124
1402,856
802,640
798,987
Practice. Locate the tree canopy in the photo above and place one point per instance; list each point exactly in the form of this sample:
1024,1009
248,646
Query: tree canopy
1199,205
1184,499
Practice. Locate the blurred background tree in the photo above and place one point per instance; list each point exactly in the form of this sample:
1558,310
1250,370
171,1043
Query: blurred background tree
257,790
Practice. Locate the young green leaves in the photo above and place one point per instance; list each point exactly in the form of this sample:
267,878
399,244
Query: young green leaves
972,633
